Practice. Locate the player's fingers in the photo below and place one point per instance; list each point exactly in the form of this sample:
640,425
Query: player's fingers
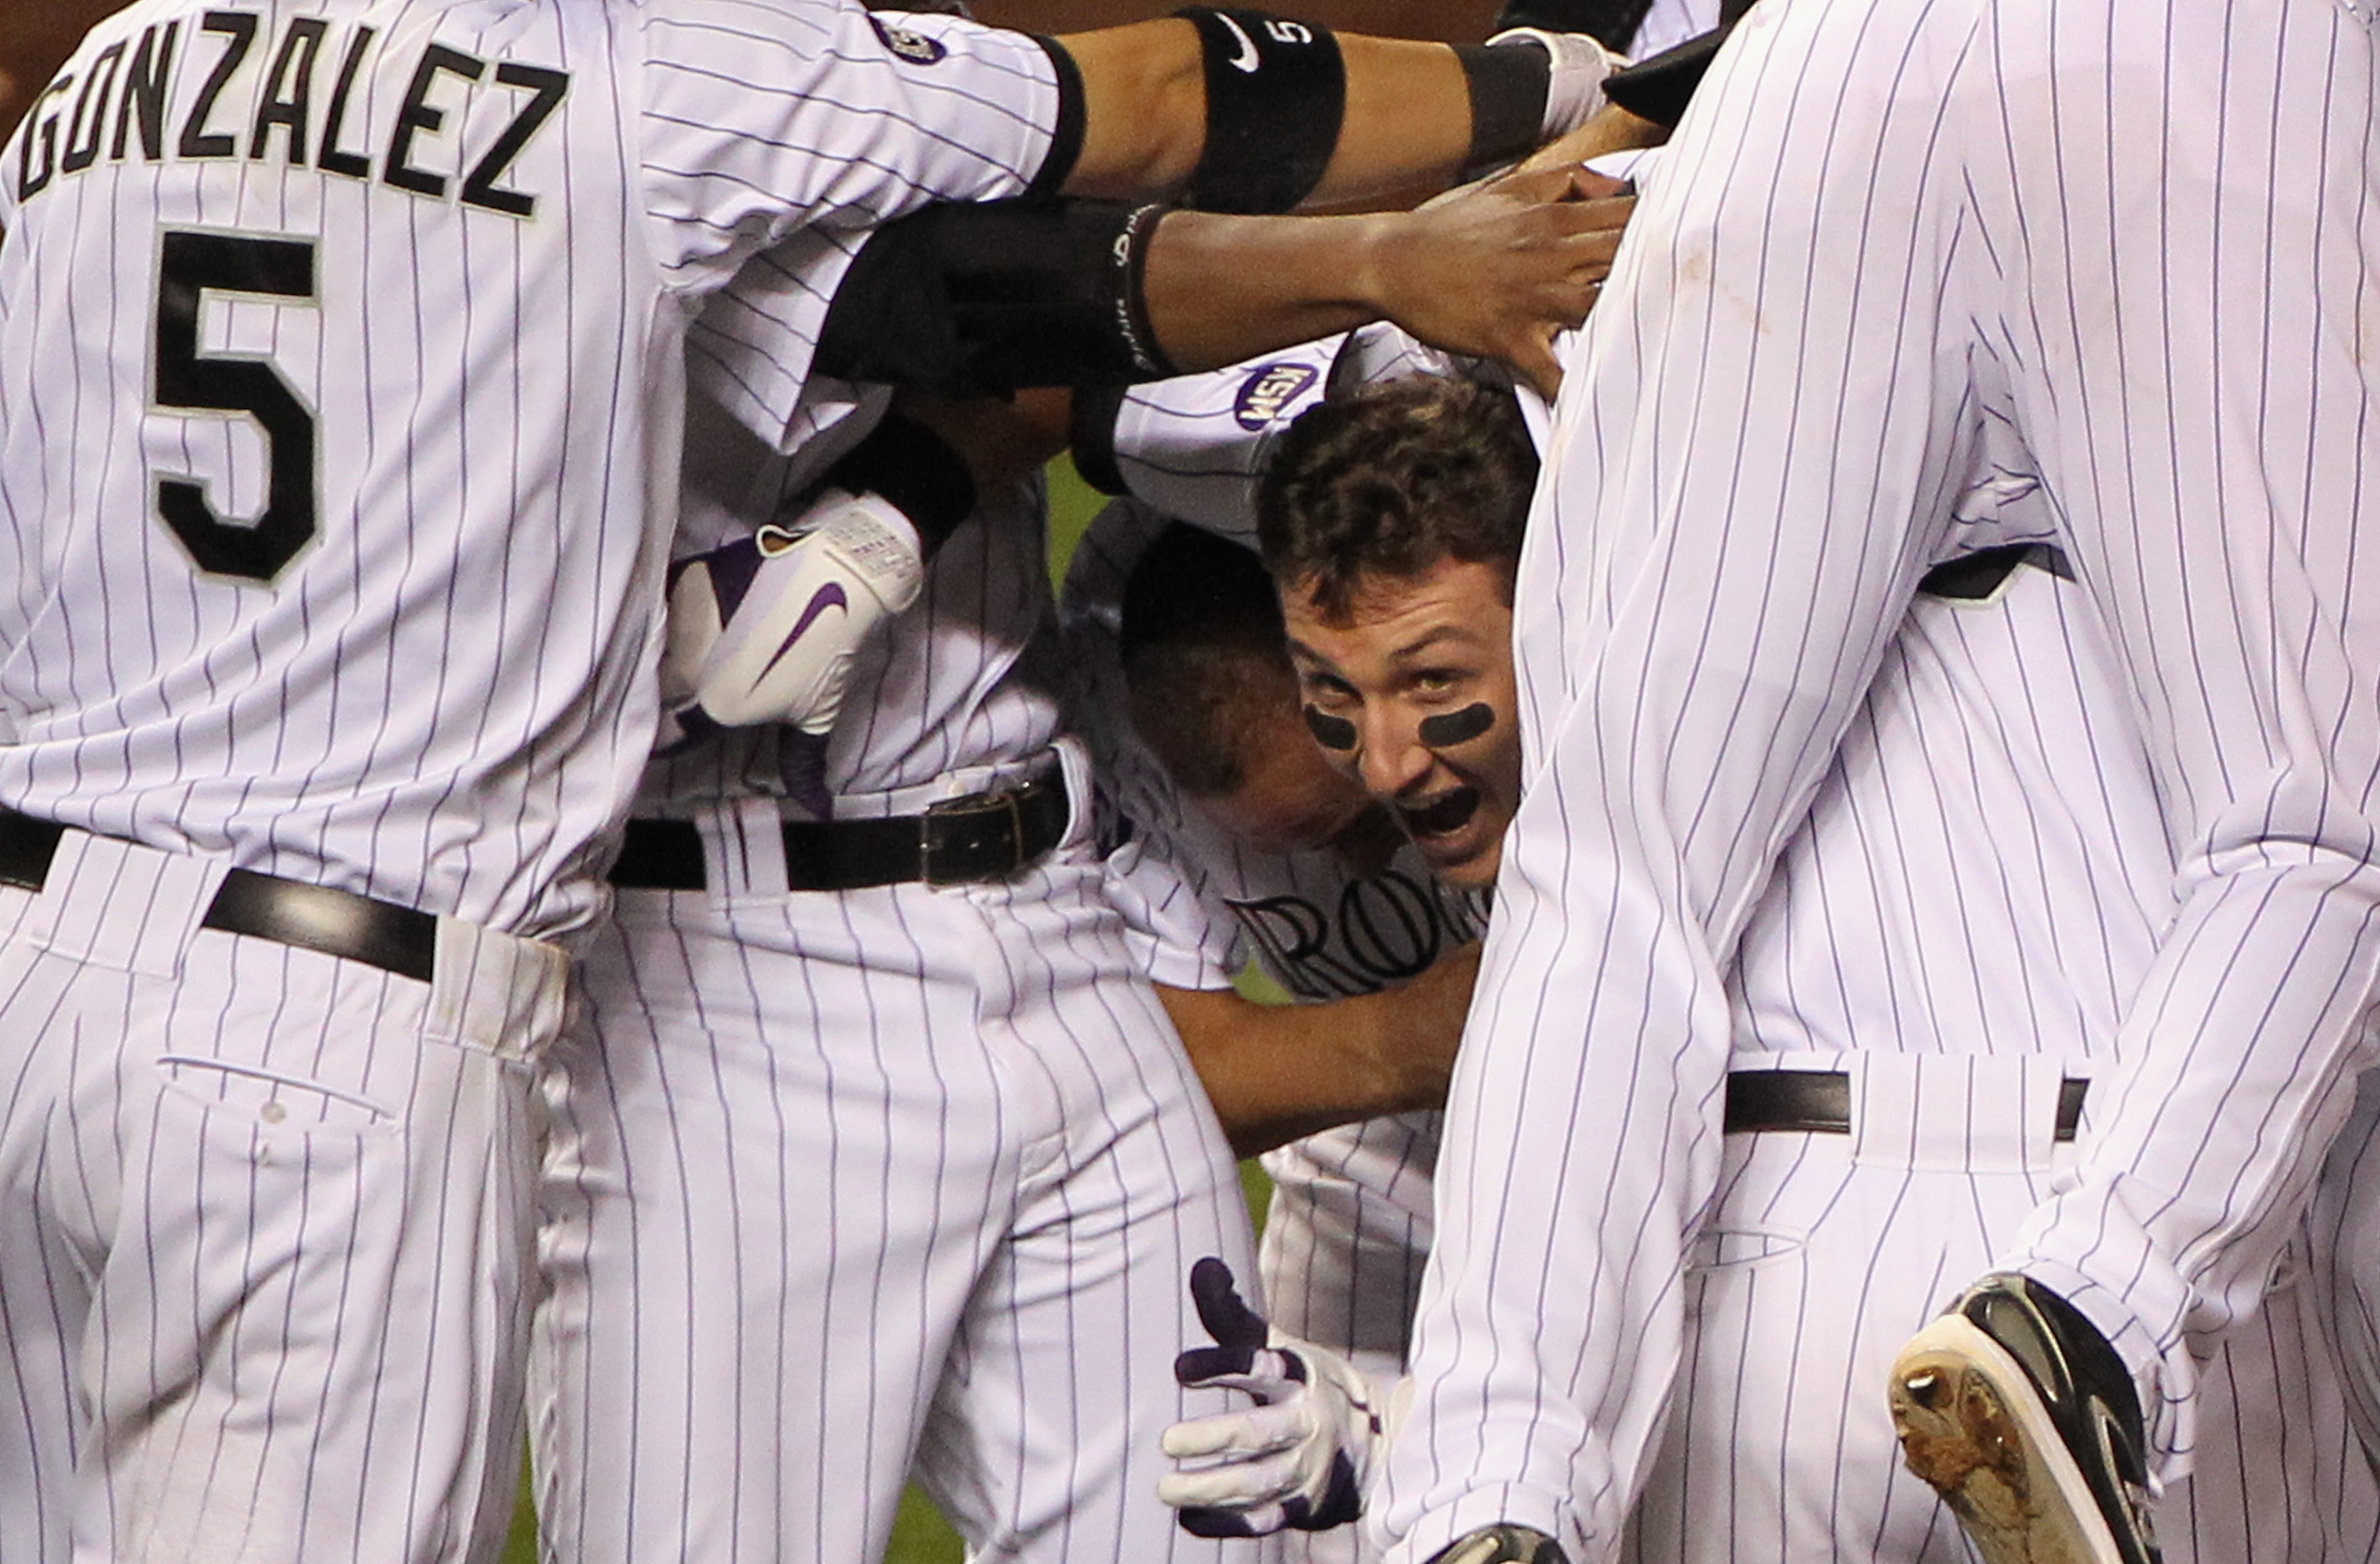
1535,185
1608,214
1201,1367
1533,357
1260,1521
1221,1310
1241,1436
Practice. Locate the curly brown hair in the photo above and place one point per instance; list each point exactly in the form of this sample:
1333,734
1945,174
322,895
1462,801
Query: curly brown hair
1392,479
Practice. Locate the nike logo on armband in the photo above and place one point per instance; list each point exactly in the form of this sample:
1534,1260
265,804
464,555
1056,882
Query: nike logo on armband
1248,59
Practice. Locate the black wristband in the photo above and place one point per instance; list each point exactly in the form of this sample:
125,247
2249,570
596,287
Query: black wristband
1129,279
1275,97
1091,437
1509,82
917,471
1066,135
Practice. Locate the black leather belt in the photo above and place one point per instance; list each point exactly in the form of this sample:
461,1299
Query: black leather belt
1819,1102
264,906
989,836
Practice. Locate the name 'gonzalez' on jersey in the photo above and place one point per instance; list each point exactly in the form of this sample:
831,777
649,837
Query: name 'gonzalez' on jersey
123,94
342,377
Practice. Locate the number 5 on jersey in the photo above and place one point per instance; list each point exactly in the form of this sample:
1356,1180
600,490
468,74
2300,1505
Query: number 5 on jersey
192,264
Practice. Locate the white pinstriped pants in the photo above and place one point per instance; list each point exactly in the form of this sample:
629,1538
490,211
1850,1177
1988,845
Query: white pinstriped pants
1825,1253
842,1181
264,1230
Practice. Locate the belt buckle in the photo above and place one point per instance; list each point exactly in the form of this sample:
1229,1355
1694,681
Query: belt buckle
967,814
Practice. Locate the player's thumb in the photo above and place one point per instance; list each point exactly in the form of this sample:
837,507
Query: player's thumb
1533,357
1223,1311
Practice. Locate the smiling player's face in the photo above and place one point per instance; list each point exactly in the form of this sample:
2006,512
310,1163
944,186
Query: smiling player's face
1411,692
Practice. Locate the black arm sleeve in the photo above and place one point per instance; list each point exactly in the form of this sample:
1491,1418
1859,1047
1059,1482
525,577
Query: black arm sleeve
976,300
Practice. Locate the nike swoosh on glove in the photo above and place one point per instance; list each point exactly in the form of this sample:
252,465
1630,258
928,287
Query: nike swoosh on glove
764,629
1299,1459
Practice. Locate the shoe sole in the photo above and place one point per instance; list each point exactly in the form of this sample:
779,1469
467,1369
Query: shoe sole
1981,1437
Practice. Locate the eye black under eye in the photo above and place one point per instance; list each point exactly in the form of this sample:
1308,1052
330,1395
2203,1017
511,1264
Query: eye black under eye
1457,727
1331,733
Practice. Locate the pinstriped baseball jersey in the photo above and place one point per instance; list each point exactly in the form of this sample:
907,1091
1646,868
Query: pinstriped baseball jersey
750,348
360,326
341,389
1349,1223
1957,925
1004,1160
1668,23
1763,435
2343,1245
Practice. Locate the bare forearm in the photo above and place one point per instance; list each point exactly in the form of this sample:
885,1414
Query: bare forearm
1408,121
1483,272
1292,280
1276,1073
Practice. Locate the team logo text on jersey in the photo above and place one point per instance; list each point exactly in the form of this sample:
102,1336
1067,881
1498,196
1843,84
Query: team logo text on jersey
1269,391
1387,929
914,47
227,92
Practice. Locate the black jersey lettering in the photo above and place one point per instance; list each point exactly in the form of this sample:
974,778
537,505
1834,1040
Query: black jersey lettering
546,88
414,115
42,131
333,158
1390,926
89,127
1294,937
289,93
238,29
145,84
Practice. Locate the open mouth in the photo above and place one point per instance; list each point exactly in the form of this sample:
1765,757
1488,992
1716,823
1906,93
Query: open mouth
1451,813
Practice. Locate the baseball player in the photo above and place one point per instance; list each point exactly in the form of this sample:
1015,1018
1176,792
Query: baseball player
1237,844
875,1153
1752,464
1835,1186
1216,869
329,635
339,404
1349,1224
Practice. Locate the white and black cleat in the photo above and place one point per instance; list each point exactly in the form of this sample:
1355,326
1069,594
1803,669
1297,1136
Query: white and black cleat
2018,1412
1501,1545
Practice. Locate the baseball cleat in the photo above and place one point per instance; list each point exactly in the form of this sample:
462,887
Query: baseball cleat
1501,1545
2021,1415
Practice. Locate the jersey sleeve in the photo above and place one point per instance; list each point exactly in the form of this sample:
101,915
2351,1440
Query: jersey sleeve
1728,532
1195,446
844,120
1670,749
1176,936
759,120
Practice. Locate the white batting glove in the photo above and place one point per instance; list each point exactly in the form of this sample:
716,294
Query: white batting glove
764,629
1299,1458
1575,89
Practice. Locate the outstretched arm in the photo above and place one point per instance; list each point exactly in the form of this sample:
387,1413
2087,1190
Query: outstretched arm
1196,103
976,299
1278,1073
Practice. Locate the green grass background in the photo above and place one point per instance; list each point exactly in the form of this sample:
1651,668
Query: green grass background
921,1535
